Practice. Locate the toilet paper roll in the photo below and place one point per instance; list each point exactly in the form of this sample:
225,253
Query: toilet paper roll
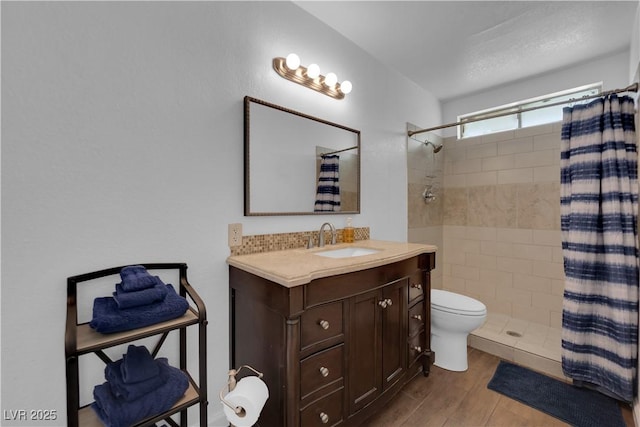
250,393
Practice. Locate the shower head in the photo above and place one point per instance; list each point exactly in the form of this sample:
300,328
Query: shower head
436,148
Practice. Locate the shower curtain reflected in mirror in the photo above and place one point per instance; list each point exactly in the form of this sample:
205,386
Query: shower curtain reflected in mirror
599,210
328,192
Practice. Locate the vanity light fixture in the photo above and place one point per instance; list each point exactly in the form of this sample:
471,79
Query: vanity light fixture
310,76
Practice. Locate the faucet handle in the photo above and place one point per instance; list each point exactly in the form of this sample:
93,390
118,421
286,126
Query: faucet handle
310,242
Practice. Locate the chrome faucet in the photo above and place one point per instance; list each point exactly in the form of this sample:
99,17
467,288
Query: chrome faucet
321,234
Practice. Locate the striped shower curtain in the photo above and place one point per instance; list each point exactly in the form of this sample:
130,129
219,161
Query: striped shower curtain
599,210
328,194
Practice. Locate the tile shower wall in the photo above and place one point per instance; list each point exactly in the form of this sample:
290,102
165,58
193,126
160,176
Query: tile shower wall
425,220
501,239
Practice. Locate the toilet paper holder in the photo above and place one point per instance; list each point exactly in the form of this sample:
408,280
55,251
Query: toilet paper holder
231,384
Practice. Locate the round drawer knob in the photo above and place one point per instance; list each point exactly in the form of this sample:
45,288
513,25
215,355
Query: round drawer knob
324,418
383,303
324,324
416,285
389,301
417,317
417,348
324,371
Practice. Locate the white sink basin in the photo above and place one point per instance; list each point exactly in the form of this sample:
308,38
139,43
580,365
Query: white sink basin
347,252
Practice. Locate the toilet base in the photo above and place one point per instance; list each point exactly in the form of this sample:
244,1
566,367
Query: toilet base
450,350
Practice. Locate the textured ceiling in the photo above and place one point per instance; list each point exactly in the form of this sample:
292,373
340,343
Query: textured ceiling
454,48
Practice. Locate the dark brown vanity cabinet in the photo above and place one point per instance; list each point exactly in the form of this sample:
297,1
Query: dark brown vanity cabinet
336,349
378,319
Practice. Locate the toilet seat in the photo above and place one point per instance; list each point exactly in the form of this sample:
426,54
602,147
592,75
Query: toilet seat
450,302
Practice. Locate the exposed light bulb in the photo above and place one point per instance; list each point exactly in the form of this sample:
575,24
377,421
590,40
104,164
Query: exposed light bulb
331,79
313,71
292,61
346,86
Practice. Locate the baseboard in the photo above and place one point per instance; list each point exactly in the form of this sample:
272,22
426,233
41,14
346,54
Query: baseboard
217,419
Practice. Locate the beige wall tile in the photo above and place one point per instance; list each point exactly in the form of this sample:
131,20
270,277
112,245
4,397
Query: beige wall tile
534,130
513,295
454,284
514,265
481,291
552,270
532,283
467,166
499,216
534,159
532,314
500,278
481,206
555,319
546,173
505,212
481,261
500,136
515,235
520,145
548,238
547,301
454,231
482,150
455,207
500,249
515,176
533,252
557,254
455,181
464,245
481,179
465,272
479,233
548,141
498,163
539,206
557,287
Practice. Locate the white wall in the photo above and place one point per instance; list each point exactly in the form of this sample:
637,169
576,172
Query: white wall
122,143
634,57
611,70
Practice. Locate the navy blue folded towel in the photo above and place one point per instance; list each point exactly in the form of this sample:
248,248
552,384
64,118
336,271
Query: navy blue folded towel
138,365
136,278
137,298
108,318
115,412
132,391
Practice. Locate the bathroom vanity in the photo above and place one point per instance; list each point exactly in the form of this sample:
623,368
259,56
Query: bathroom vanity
337,331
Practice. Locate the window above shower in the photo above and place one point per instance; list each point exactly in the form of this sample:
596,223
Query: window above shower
522,114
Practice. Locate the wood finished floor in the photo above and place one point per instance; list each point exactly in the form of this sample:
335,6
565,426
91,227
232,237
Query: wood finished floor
462,399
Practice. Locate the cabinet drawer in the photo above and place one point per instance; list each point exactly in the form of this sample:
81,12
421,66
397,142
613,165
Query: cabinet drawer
321,323
417,347
321,370
324,412
416,318
416,286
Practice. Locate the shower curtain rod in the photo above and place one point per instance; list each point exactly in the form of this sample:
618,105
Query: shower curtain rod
338,151
631,88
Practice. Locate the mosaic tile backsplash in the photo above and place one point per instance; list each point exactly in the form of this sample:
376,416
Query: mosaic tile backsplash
282,241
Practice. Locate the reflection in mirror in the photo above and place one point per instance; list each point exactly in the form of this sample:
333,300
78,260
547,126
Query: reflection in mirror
297,164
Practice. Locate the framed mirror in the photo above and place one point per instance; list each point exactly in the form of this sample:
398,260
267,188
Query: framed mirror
296,164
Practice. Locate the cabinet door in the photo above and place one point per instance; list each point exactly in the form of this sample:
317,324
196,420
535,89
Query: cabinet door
394,331
365,381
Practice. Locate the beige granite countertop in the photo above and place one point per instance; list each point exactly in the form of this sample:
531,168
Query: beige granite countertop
294,267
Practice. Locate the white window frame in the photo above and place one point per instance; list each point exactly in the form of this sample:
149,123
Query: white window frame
517,107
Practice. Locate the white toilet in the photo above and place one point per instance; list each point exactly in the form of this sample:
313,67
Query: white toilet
453,316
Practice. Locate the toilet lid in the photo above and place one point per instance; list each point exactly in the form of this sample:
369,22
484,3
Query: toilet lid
456,303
